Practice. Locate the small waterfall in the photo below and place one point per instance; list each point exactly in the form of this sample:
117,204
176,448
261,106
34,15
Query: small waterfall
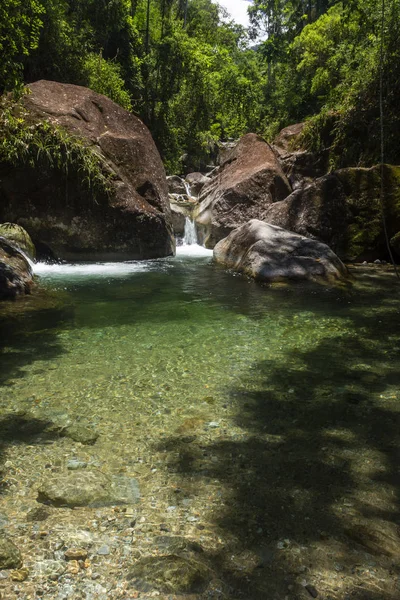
28,260
190,234
187,188
16,247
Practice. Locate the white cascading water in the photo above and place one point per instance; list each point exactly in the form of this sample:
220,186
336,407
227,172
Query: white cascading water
190,233
187,188
190,245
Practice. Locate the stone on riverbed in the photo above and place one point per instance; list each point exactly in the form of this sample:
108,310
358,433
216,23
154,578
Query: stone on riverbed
49,569
80,433
10,556
270,253
88,488
170,574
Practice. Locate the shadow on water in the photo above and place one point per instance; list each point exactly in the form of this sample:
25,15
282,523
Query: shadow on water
313,482
26,338
22,428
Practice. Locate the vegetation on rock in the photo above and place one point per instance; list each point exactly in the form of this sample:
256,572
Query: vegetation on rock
41,144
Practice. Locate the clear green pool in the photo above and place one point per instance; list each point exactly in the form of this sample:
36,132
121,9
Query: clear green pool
265,416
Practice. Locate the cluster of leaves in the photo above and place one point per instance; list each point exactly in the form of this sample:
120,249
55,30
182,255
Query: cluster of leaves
43,145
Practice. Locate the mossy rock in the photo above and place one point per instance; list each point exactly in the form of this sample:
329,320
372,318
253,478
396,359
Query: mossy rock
10,556
17,235
170,574
80,433
365,238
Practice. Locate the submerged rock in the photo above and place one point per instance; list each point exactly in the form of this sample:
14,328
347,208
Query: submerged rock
176,544
80,433
127,217
88,488
10,556
16,276
77,488
270,253
170,574
49,569
250,179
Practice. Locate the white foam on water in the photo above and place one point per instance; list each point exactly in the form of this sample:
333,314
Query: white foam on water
108,269
193,250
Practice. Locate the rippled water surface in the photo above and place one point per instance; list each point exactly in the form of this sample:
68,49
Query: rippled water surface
261,421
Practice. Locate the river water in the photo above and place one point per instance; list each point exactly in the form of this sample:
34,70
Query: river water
260,422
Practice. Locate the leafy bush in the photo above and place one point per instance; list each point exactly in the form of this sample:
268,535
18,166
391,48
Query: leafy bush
104,77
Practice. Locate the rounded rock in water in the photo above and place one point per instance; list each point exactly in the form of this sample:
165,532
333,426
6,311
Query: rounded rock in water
10,556
173,574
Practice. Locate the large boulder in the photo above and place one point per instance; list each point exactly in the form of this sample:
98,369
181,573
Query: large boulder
15,271
249,180
126,218
342,209
270,253
317,211
178,214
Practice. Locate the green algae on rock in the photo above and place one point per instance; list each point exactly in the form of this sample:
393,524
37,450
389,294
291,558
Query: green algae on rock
87,488
10,556
364,239
17,235
80,433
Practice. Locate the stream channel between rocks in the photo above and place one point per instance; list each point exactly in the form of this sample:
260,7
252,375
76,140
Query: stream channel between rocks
169,429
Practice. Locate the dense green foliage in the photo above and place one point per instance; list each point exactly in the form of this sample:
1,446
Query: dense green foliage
191,75
325,66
